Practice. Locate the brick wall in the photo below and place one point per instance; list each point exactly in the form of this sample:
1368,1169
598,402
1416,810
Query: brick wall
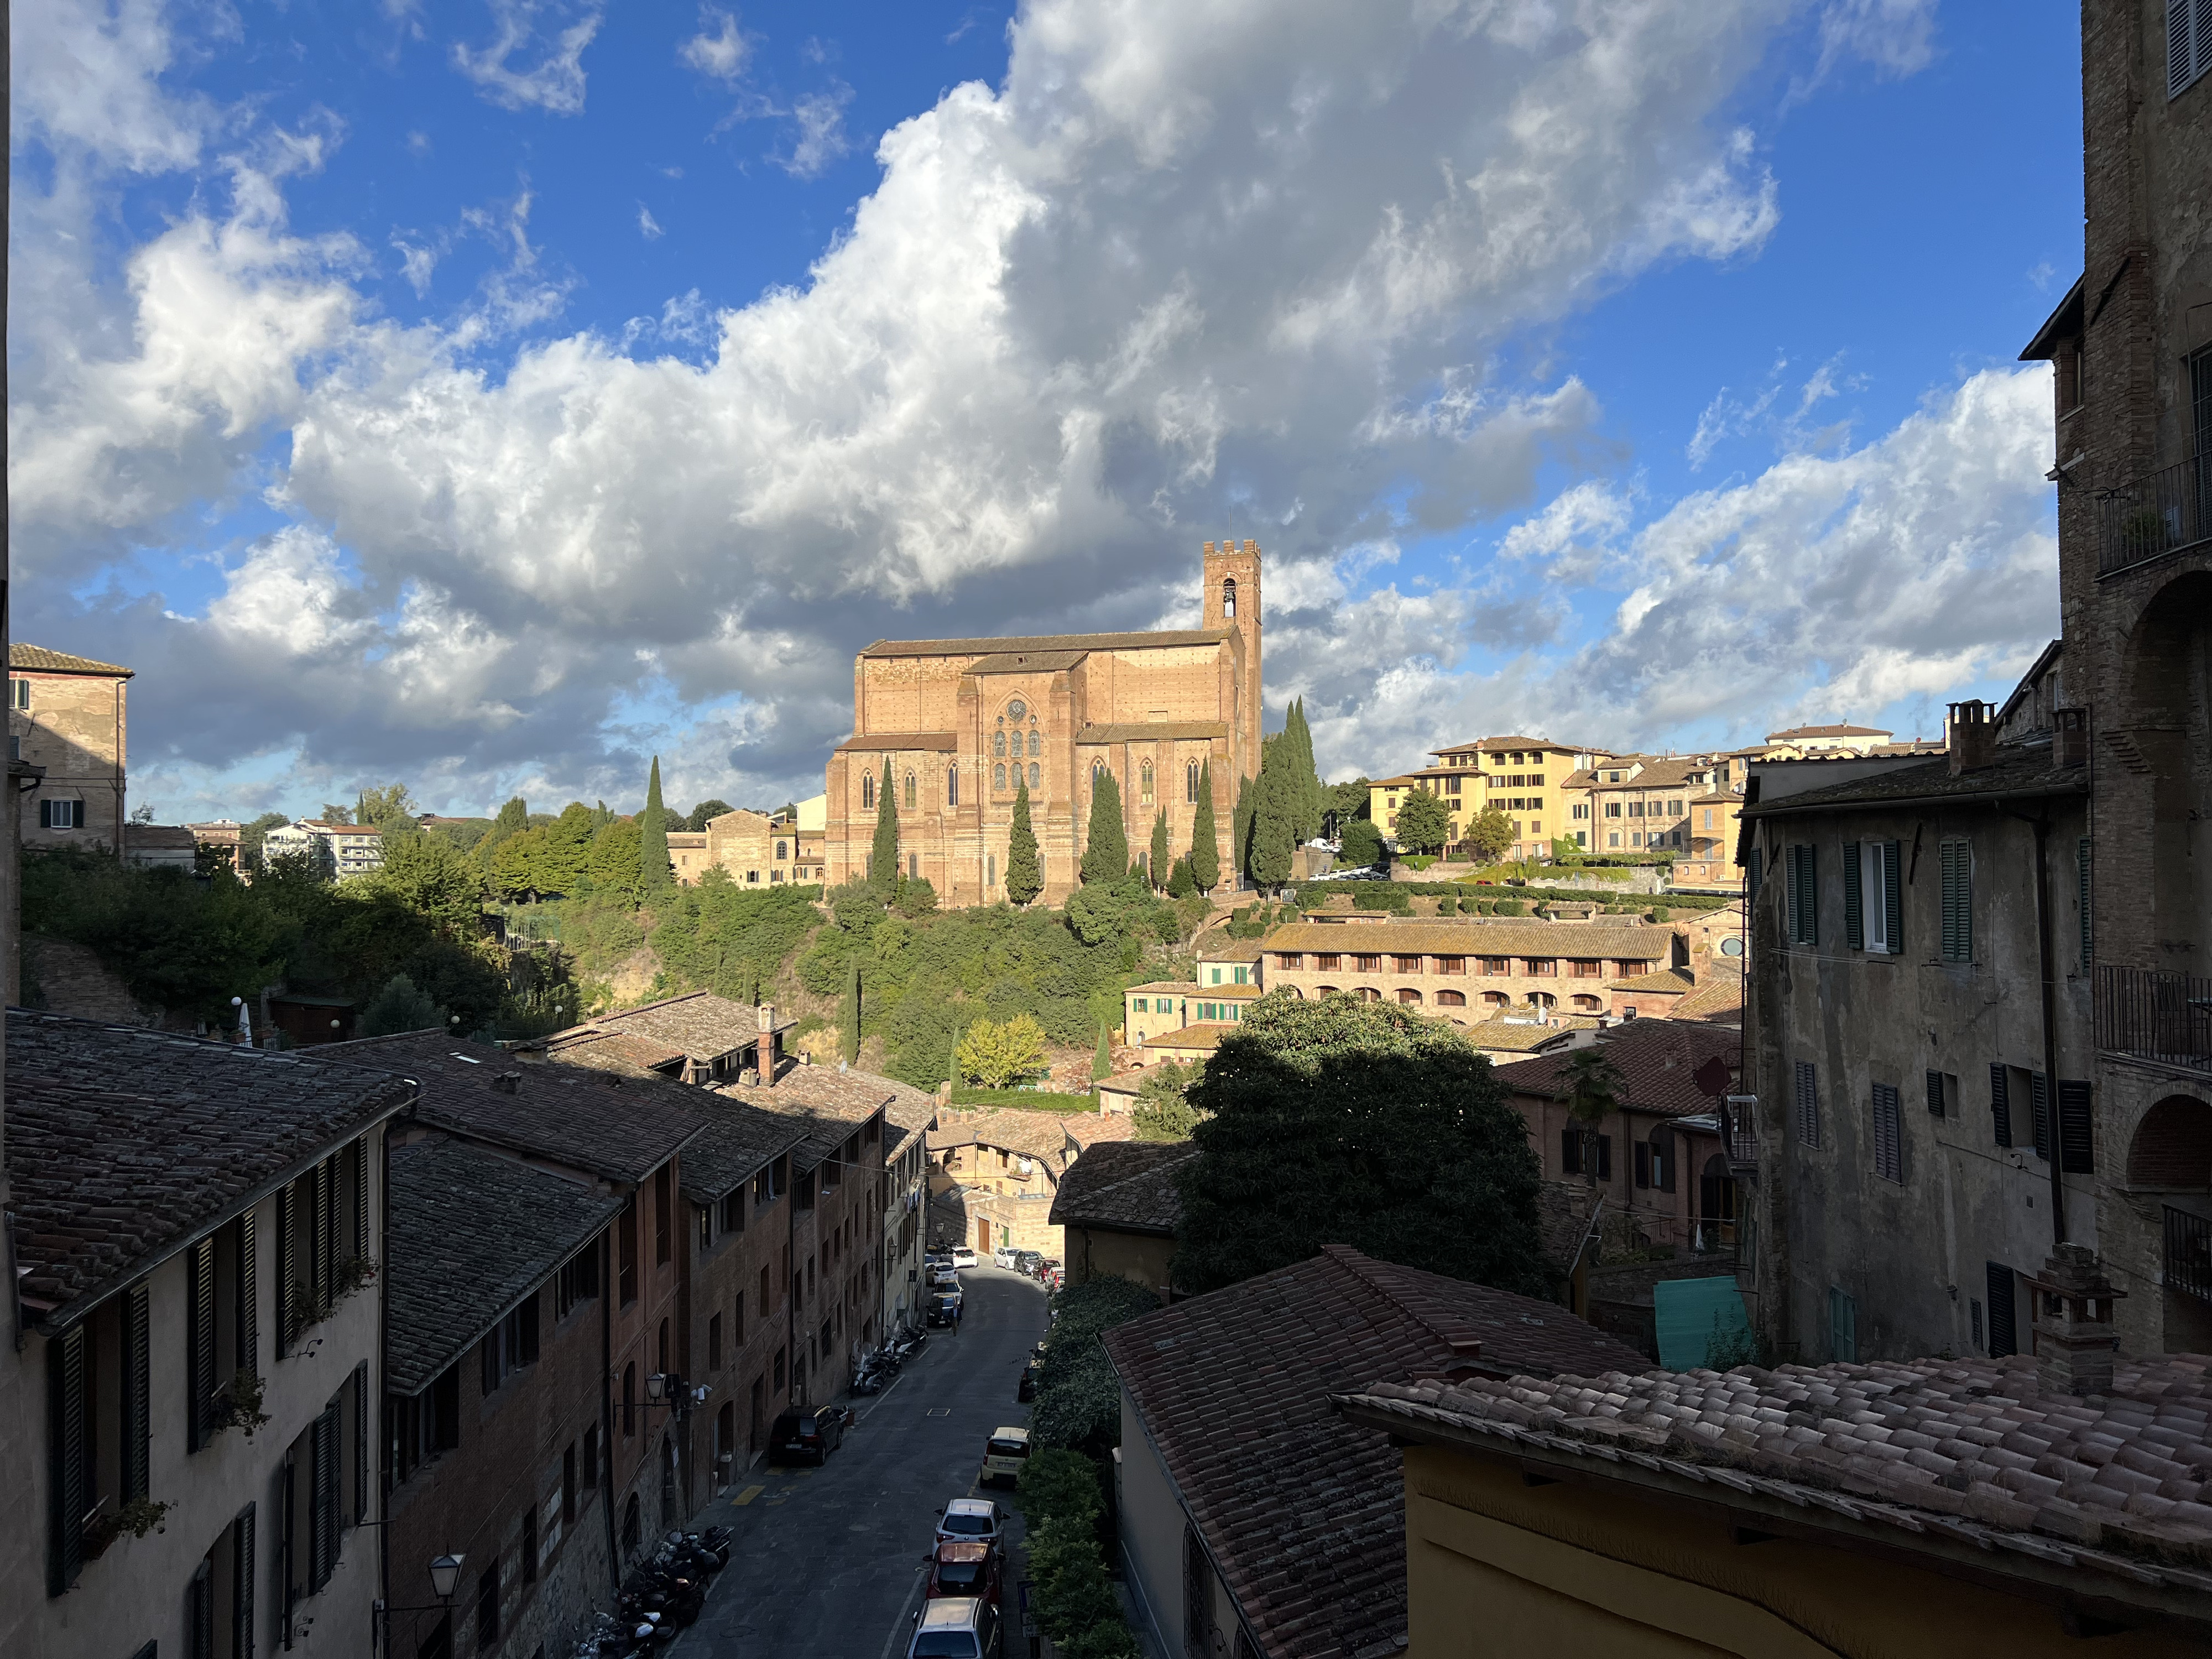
739,1279
77,728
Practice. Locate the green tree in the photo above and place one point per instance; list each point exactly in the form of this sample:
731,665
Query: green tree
1161,855
400,1007
252,833
705,811
515,865
1164,1111
1105,843
1024,880
1489,832
848,1016
435,879
1308,795
1102,1061
1348,801
1181,883
513,818
564,857
655,875
1592,1086
333,813
917,897
1205,849
1424,823
884,855
995,1055
1334,1120
1078,1402
1360,847
618,877
1275,813
1240,822
389,808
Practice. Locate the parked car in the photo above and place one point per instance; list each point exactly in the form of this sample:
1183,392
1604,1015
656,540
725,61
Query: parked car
1049,1273
969,1520
957,1627
1004,1455
1004,1257
961,1568
942,1307
963,1257
1025,1390
1028,1262
943,1278
808,1435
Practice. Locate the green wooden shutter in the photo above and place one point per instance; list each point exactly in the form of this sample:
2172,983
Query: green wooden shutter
199,1341
2077,1143
2081,871
241,1584
200,1613
323,1498
360,1469
1854,899
288,1251
137,1391
326,1199
248,1357
1808,875
2003,1332
1934,1094
1892,894
1888,1134
65,1449
2000,1108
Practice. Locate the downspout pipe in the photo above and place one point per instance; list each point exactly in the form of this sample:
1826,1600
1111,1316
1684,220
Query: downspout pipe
607,1406
2041,825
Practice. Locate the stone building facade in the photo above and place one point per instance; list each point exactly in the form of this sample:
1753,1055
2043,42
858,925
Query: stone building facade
752,848
962,724
1526,778
1467,971
69,717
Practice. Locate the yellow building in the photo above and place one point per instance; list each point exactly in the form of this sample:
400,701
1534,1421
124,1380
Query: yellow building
1161,1006
68,724
1853,1510
1525,778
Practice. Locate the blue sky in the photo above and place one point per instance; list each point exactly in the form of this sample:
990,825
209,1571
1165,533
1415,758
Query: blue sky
491,397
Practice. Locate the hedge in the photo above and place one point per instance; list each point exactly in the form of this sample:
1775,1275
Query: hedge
1062,1499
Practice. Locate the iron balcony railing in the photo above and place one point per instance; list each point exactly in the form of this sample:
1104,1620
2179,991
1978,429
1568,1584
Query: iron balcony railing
2189,1253
2149,1013
2158,513
1739,1129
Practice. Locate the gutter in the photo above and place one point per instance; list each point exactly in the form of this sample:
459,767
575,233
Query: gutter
1885,803
2041,825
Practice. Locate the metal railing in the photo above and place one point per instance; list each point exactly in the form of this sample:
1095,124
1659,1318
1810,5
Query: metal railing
2158,513
2189,1253
1740,1130
2152,1014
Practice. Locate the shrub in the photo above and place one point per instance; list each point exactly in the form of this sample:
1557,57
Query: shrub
1078,1399
400,1007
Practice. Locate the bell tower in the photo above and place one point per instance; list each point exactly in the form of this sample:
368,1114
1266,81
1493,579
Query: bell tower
1232,600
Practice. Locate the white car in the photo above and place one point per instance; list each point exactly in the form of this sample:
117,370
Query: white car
968,1521
1003,1257
962,1256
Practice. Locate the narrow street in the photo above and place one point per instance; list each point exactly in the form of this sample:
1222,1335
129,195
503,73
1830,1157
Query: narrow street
827,1563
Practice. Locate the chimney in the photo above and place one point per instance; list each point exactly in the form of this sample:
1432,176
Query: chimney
507,1082
764,1055
2075,1346
1969,739
2069,737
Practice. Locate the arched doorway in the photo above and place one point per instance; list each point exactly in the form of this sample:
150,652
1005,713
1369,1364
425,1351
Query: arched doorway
2170,1169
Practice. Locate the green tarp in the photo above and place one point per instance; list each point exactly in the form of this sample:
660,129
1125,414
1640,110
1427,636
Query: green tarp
1685,1311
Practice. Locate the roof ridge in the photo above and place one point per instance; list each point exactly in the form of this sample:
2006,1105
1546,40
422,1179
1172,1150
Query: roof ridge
1358,1264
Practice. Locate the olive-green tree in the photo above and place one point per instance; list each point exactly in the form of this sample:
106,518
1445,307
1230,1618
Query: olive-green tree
1024,880
884,851
1105,843
1205,851
654,874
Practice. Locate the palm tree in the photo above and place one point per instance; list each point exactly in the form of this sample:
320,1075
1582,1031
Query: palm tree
1592,1086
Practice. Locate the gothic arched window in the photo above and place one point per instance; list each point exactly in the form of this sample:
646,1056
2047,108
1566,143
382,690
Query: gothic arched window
909,791
990,869
1190,781
999,778
1036,747
952,785
1229,597
1035,775
1145,782
867,791
999,744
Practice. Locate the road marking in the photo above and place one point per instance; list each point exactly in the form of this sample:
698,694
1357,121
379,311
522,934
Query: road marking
937,1410
747,1496
901,1626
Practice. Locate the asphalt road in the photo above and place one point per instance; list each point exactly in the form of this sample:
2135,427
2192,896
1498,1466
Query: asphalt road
827,1563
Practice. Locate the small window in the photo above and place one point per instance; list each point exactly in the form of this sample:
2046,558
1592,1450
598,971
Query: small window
1888,1134
999,778
2188,45
1145,783
1229,597
867,792
951,788
1807,1102
909,791
1190,783
60,814
999,744
1958,904
19,694
1037,776
1801,894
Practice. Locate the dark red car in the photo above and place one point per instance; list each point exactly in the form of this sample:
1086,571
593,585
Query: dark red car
965,1569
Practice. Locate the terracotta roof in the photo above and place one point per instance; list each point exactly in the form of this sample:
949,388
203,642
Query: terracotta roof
625,1052
1497,1037
1657,774
146,837
1089,1129
1152,731
39,659
1179,986
1225,992
1046,642
472,1234
898,742
1041,1135
1655,1058
1972,1451
1679,980
699,1024
828,1104
1025,662
124,1144
738,1142
1303,1512
1718,999
2018,769
622,1128
1571,939
1203,1035
1235,949
1826,732
1128,1187
1490,744
1126,1082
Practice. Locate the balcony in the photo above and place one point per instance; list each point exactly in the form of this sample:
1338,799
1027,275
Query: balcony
2188,1253
1740,1132
2147,1013
2160,512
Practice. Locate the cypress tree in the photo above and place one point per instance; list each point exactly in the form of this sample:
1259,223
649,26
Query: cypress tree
1159,868
1106,844
1274,814
1024,881
1205,848
655,875
1102,1063
1304,775
883,857
1240,818
848,1016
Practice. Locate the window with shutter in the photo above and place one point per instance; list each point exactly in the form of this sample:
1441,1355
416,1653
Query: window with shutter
199,1341
2002,1339
323,1498
287,1252
1854,898
2038,1094
1892,897
1957,901
241,1584
2078,1150
1642,1171
1888,1134
137,1391
65,1482
2082,874
325,1232
1604,1157
200,1613
2000,1103
1802,893
1934,1094
247,1323
360,1469
1808,1103
360,1241
1843,1327
1571,1151
2188,43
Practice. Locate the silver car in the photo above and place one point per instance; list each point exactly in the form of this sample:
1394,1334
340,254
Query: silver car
957,1627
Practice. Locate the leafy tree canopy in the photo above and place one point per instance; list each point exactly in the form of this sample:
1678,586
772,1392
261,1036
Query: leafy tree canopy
1024,878
994,1055
1360,845
1106,845
400,1006
1489,832
1424,823
1078,1402
705,811
389,808
333,813
1164,1110
1340,1122
433,878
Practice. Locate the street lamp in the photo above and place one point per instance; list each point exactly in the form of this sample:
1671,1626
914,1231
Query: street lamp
444,1574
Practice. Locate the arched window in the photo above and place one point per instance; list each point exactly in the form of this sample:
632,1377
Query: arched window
952,785
1229,597
1190,781
1035,775
1098,771
1451,999
780,854
1145,783
999,745
1037,746
909,791
990,869
867,791
999,778
1408,995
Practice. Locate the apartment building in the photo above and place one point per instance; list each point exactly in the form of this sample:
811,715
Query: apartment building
906,1122
1642,802
68,729
336,850
1467,971
752,848
196,1230
1526,778
1159,1007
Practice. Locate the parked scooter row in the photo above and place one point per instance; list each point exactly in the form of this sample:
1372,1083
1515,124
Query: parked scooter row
880,1365
662,1594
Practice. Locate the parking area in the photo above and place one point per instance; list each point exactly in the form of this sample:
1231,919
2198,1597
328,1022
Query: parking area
828,1563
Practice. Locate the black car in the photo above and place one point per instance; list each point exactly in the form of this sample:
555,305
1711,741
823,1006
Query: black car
808,1435
944,1310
